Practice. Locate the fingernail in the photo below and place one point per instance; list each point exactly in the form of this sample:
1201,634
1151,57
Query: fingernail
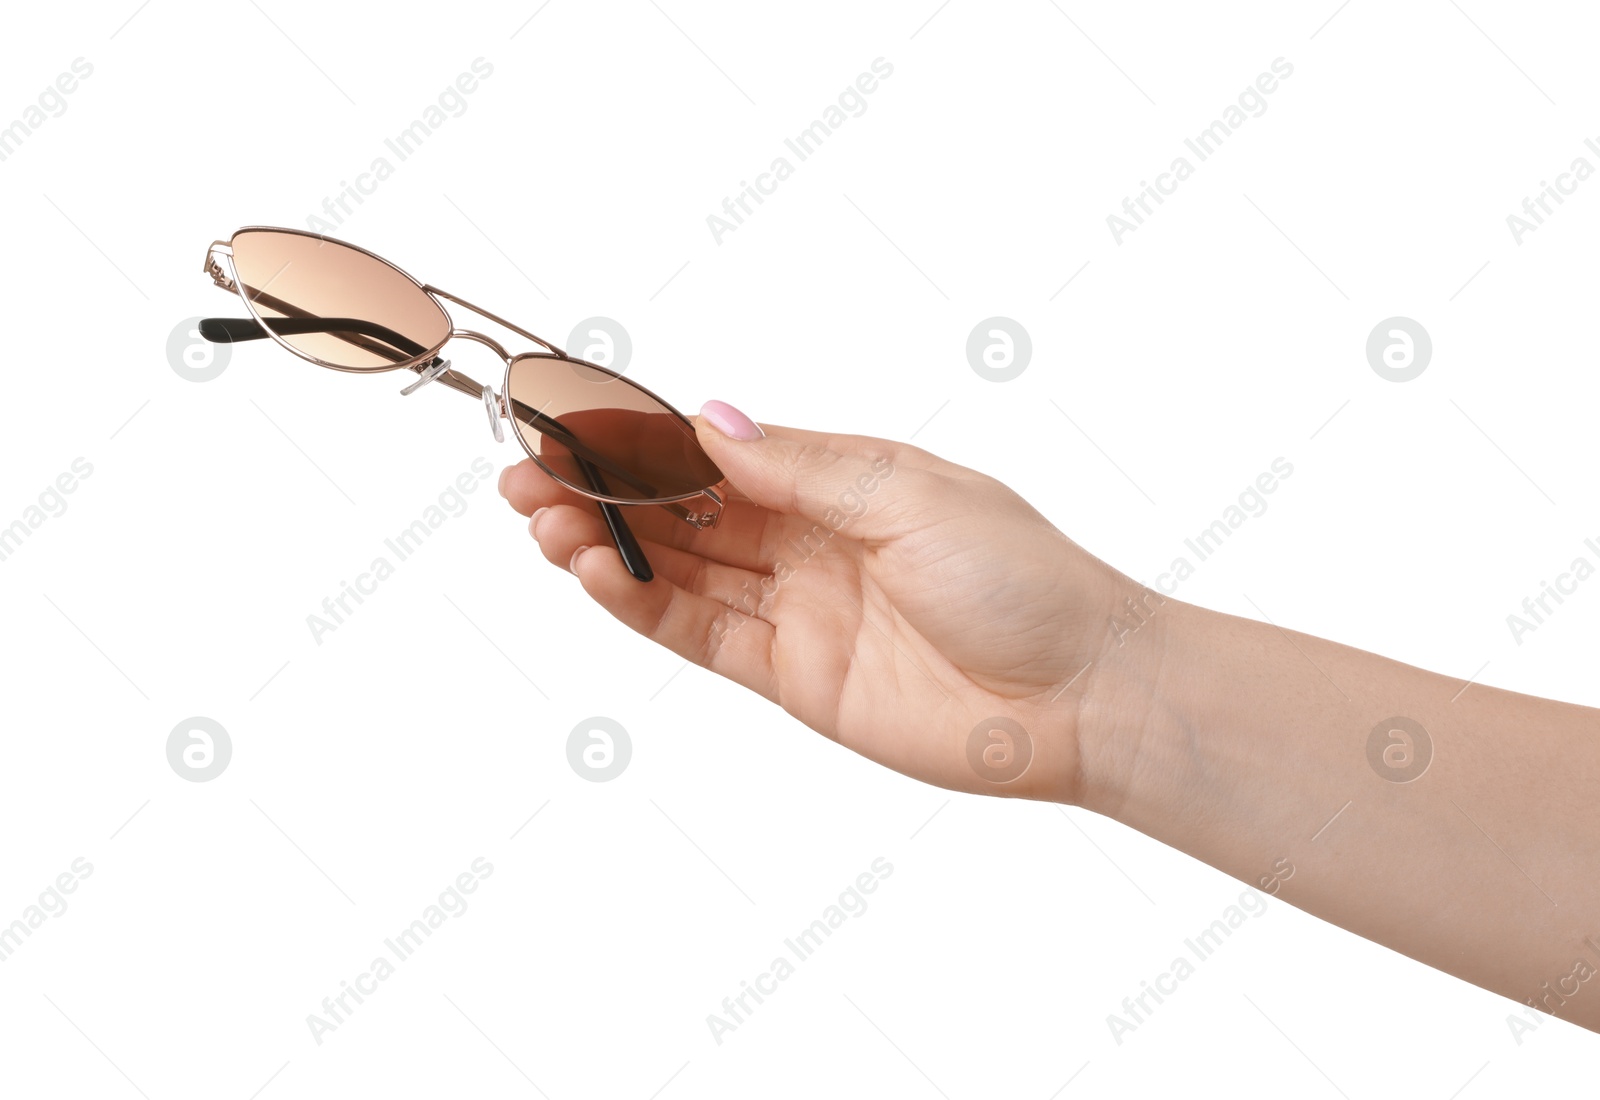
572,566
533,522
503,475
730,421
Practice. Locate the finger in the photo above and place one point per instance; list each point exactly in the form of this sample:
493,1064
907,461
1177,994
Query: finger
527,488
745,536
800,474
904,455
562,529
696,628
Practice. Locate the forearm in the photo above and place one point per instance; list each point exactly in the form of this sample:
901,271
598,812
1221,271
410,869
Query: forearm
1248,747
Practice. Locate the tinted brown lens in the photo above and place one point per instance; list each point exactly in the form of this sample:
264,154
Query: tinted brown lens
335,303
602,434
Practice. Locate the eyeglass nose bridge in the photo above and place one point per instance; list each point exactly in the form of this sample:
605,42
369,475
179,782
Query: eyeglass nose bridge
494,406
487,341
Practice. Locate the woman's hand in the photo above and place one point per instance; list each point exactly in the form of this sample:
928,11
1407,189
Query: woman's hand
915,611
926,617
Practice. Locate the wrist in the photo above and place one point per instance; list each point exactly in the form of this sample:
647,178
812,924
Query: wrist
1137,702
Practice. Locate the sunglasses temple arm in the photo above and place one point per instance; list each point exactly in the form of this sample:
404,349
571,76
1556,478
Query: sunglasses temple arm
621,534
229,330
352,330
554,430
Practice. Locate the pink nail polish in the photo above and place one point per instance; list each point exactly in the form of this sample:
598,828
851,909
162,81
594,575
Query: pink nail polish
533,522
731,422
572,566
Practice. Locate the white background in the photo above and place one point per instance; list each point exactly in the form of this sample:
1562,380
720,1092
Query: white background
370,770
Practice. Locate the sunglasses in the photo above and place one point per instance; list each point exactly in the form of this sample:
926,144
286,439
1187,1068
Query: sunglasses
599,434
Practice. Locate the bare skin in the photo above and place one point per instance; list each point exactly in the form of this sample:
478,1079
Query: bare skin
900,604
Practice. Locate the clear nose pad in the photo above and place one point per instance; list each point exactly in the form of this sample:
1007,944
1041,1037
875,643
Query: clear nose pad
426,375
491,405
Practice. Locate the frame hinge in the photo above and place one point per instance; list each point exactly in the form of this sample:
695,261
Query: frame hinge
708,514
218,276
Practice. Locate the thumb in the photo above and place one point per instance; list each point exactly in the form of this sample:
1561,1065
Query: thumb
829,479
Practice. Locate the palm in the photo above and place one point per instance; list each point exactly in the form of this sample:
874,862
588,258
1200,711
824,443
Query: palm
892,651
